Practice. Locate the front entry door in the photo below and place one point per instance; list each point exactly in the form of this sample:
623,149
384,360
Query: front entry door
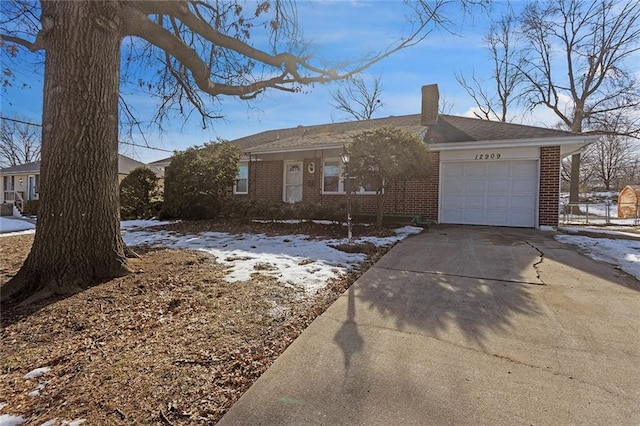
292,182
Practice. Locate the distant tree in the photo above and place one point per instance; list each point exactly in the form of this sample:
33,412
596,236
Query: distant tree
385,155
19,142
198,180
495,95
358,99
598,41
137,192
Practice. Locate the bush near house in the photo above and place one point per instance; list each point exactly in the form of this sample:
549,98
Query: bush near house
247,209
30,207
198,181
138,191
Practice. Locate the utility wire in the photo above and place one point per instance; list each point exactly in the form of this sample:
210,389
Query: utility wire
122,142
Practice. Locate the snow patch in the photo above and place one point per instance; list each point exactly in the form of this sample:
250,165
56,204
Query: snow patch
37,372
623,253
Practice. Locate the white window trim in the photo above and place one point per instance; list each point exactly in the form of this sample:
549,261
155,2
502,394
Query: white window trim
235,185
341,180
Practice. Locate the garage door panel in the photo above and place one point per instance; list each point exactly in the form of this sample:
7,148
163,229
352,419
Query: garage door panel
473,217
498,193
498,169
474,202
452,185
498,201
525,169
522,185
498,186
454,170
474,186
475,169
452,201
455,215
497,217
521,219
522,202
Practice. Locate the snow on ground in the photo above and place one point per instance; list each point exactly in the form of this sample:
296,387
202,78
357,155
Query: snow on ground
295,259
623,253
10,225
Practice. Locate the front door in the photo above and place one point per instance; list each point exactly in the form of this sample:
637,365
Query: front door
293,182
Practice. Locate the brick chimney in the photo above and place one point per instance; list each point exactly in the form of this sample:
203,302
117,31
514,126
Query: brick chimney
430,99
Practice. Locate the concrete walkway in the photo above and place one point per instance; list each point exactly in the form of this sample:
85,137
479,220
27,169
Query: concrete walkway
464,325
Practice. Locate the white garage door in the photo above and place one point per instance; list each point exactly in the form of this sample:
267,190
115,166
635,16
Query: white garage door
496,193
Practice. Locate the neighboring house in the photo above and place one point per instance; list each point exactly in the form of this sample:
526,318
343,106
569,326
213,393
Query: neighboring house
22,182
484,172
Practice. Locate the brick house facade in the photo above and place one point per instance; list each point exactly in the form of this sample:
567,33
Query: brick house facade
482,172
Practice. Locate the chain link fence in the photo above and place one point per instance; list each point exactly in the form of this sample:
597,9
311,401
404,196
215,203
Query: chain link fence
606,213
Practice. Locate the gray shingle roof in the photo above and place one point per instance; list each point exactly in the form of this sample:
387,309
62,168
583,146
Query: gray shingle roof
125,165
333,134
453,128
33,167
449,128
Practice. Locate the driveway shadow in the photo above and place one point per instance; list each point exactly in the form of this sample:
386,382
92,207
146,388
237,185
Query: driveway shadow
436,304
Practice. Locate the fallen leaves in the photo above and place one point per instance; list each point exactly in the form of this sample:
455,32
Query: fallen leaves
173,343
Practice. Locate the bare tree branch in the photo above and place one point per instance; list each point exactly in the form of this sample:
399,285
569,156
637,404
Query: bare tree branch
357,99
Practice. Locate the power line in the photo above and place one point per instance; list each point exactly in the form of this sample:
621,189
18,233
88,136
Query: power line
20,121
122,142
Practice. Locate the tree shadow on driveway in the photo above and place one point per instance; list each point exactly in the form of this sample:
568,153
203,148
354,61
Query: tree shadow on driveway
435,304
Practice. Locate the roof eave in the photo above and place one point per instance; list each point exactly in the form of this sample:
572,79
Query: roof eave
293,149
581,140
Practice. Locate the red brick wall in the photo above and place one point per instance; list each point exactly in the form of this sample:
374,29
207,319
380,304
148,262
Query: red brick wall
266,179
549,185
411,197
433,188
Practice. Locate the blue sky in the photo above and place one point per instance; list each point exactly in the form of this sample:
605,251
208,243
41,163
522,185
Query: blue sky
337,29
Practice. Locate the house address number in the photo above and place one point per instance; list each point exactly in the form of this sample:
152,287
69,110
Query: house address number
491,156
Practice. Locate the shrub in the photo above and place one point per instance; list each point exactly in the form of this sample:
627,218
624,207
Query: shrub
30,207
137,192
198,181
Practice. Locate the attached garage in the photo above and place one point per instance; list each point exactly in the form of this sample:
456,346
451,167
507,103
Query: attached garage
497,193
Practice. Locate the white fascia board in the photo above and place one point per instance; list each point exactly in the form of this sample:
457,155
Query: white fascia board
579,141
292,149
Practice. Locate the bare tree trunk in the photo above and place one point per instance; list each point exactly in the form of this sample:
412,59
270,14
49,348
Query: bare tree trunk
574,183
75,248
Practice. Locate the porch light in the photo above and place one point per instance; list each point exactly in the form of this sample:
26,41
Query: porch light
345,156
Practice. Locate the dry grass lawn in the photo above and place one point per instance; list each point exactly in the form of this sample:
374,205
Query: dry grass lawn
172,343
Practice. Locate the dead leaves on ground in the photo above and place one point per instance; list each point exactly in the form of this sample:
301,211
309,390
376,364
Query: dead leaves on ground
173,343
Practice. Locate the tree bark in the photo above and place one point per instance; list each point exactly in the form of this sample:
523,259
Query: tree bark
574,183
75,248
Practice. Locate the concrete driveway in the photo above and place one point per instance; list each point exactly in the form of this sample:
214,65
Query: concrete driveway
464,325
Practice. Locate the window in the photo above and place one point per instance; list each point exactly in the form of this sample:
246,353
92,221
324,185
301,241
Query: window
331,179
36,185
242,180
367,186
9,183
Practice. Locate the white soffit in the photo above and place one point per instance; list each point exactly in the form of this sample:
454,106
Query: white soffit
568,145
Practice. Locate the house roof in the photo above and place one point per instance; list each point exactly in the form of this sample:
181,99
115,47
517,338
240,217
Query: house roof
453,128
33,167
323,135
125,166
448,129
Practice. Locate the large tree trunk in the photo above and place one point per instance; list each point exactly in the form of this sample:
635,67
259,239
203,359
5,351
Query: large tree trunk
574,183
77,241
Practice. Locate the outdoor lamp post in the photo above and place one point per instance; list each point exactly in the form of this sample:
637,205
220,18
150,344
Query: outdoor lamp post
345,156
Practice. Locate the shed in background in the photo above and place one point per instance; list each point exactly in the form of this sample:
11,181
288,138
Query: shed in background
628,202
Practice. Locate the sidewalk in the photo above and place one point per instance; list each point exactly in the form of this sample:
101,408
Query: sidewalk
15,224
464,325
